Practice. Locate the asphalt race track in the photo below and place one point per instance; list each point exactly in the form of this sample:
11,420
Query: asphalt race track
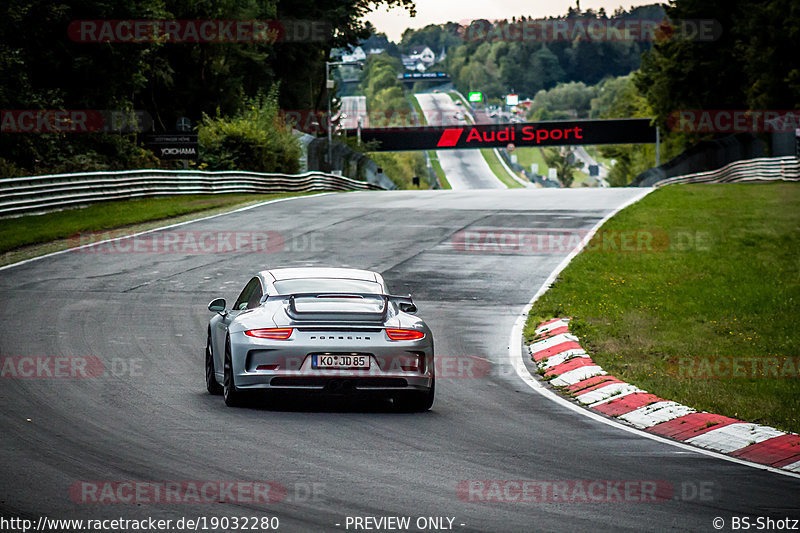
146,417
465,169
354,107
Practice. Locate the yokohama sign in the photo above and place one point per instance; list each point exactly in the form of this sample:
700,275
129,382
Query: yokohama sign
556,133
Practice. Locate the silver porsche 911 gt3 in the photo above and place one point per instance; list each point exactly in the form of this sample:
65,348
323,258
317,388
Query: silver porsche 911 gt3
328,330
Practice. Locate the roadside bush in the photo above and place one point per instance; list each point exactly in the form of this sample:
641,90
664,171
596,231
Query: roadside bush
8,169
565,100
401,167
256,139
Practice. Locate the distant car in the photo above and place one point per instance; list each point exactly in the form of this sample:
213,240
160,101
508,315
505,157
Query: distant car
458,115
458,102
320,330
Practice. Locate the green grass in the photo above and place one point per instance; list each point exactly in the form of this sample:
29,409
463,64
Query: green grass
28,230
595,153
437,168
580,178
454,96
722,280
499,170
528,155
418,109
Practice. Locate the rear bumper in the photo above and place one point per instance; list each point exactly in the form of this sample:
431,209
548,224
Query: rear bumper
341,384
287,365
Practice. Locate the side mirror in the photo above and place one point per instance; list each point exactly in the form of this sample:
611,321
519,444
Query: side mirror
217,306
408,308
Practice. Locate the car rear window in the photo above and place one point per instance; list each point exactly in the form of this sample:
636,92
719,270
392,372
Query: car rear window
294,286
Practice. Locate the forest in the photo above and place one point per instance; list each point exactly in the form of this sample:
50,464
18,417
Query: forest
232,90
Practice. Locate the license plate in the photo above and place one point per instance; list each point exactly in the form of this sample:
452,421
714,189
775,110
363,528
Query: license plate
340,361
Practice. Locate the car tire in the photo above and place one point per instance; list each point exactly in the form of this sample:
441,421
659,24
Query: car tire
212,384
233,396
417,402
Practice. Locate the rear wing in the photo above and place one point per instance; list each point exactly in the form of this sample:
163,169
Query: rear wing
405,303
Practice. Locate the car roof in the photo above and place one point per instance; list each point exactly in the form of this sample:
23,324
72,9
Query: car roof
280,274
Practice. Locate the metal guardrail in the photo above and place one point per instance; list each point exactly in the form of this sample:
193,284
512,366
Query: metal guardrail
56,191
761,169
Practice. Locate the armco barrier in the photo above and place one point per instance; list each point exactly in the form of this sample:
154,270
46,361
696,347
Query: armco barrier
762,169
42,193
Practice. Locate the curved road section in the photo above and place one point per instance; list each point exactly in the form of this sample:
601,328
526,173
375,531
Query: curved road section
465,169
104,412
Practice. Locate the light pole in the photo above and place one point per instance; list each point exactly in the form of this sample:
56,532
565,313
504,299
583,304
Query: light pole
329,84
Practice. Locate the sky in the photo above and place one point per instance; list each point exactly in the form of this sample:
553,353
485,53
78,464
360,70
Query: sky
393,22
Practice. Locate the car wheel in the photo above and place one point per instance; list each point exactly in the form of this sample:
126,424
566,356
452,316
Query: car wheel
212,384
415,402
233,396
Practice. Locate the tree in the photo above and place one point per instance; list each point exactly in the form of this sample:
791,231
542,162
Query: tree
42,68
198,78
565,100
437,37
380,41
748,66
547,66
564,162
530,65
770,36
620,98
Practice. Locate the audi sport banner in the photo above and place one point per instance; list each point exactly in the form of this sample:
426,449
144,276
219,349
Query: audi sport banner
555,133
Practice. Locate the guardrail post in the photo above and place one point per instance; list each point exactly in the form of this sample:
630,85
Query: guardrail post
57,191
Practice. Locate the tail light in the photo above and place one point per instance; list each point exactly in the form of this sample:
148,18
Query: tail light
270,333
404,334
